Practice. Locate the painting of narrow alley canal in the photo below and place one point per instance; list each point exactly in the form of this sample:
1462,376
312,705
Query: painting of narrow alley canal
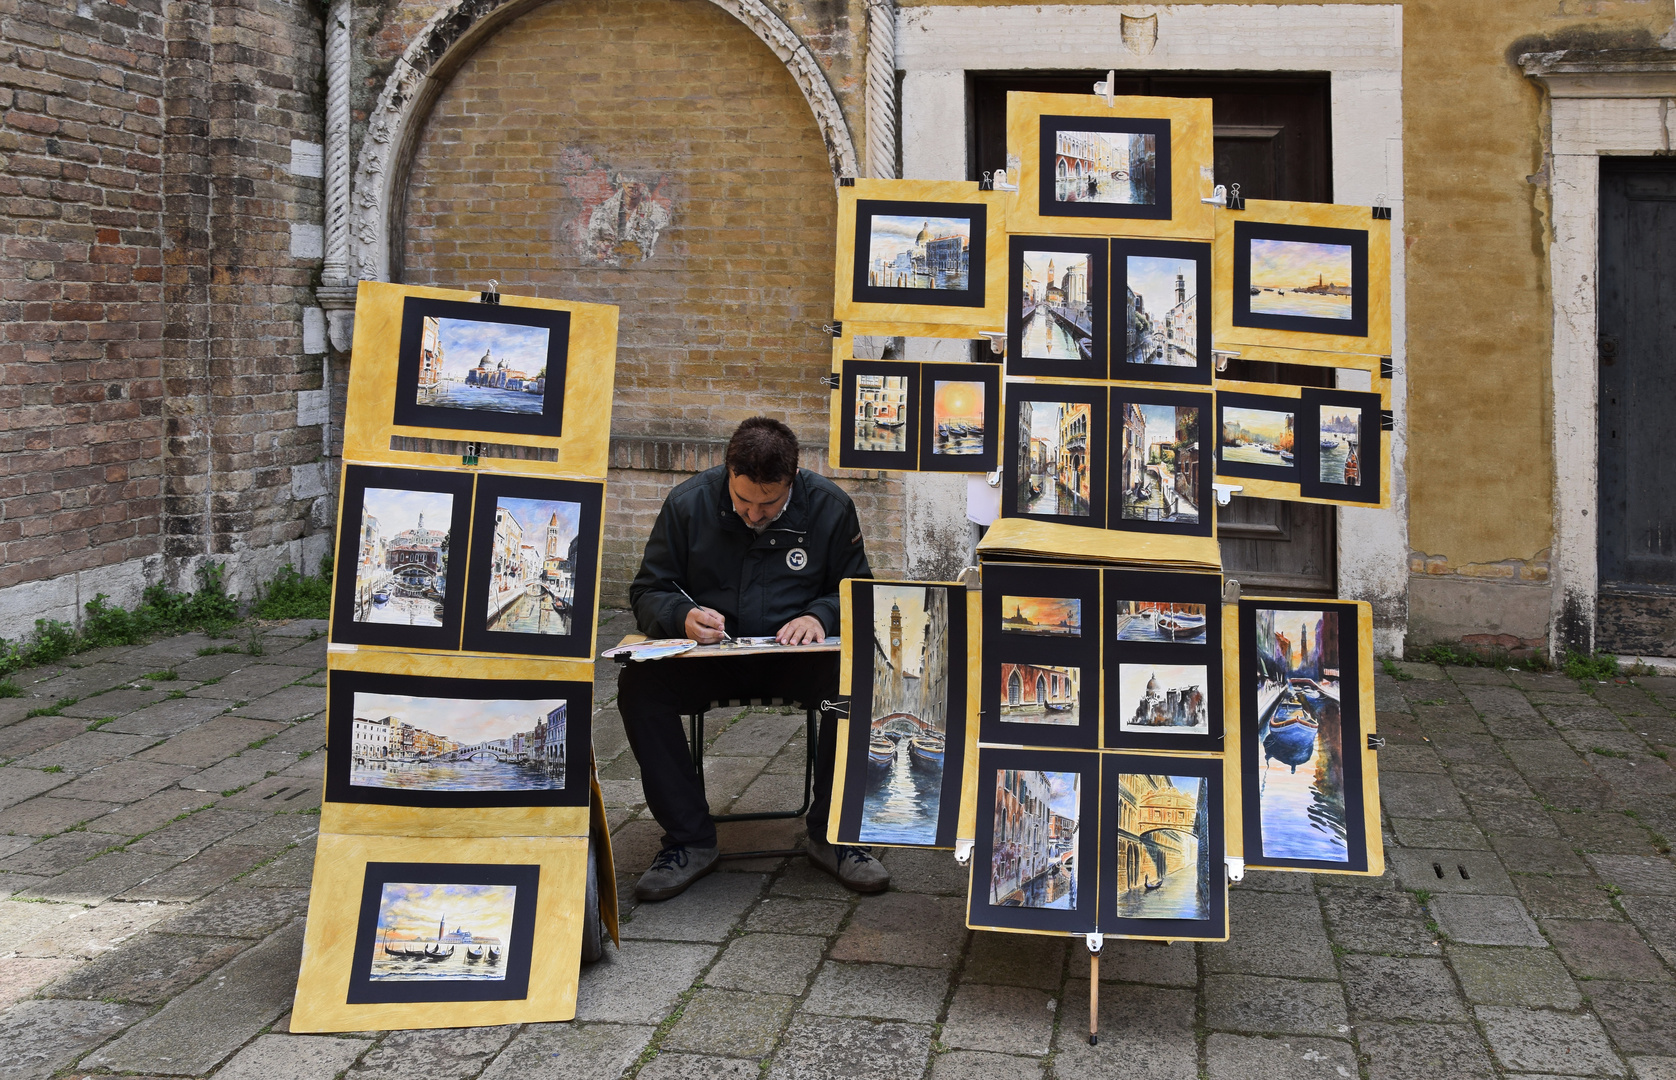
419,743
1041,694
1057,312
532,572
1161,311
1160,463
1300,775
881,413
1033,860
1341,442
1053,464
1114,167
443,933
907,731
1164,860
401,564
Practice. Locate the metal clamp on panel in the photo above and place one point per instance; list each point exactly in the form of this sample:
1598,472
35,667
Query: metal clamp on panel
1386,368
1104,87
1222,356
492,296
1229,198
1387,420
1231,591
470,456
841,707
996,181
997,341
1376,742
846,181
1225,492
1236,867
963,851
833,329
1381,212
831,382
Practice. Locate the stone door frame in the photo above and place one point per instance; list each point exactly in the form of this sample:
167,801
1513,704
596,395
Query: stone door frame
1359,46
1608,103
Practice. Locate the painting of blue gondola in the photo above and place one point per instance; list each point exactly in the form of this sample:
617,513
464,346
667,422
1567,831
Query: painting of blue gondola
1301,791
909,722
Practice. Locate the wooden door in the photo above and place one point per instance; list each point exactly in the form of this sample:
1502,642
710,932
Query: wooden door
1273,138
1636,609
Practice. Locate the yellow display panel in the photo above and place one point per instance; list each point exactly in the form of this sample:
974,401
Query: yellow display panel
371,433
889,271
337,922
1304,443
1021,538
1031,127
1314,277
1269,354
372,819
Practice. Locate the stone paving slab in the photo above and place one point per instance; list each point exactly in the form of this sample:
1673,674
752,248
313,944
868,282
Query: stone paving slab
37,1038
1486,920
45,815
879,991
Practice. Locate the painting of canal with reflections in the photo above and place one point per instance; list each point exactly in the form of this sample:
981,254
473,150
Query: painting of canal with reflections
1257,436
906,736
458,744
401,569
1163,847
1033,859
1160,622
485,366
532,570
1341,440
1301,792
881,413
1057,312
443,933
1053,463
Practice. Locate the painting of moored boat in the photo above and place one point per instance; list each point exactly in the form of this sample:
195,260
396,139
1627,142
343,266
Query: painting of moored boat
443,933
1160,622
1300,779
1257,436
909,722
957,416
1164,858
436,744
1169,698
1033,856
881,413
1041,694
1341,443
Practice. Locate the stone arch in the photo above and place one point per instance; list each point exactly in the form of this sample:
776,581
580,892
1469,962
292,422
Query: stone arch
424,69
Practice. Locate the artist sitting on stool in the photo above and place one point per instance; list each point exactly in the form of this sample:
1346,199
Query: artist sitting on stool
760,545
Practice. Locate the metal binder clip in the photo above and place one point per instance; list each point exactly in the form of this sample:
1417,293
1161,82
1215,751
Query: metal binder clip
997,341
1381,212
493,295
1236,201
996,181
1376,742
1387,420
831,382
1386,368
835,329
837,708
846,181
1225,492
470,457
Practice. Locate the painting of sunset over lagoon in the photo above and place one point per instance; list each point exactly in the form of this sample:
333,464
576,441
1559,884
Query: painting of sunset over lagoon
1289,277
1044,616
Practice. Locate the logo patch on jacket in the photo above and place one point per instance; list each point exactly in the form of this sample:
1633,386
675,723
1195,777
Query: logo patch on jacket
797,558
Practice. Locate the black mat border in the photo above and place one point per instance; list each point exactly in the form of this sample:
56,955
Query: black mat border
1048,206
409,413
1098,249
977,250
1202,373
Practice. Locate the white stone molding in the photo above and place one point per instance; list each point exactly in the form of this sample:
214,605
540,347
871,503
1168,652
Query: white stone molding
338,21
422,72
1360,46
1600,104
881,88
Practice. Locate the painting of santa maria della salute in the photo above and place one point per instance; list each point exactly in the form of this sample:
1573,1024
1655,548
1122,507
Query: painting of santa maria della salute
491,366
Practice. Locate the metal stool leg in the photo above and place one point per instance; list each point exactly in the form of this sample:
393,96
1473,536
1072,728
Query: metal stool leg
811,728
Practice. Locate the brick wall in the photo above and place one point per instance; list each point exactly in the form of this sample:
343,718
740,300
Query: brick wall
158,255
656,156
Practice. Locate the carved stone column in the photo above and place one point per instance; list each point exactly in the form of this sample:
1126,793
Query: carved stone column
336,291
881,88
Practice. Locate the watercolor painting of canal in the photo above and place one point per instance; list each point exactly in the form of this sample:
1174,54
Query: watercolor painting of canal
1304,280
1057,300
1036,837
1301,739
1054,467
880,403
959,417
1160,481
1114,167
475,367
1253,437
924,254
1341,440
1041,694
1343,446
401,544
904,762
1161,847
1161,622
419,740
1165,329
534,566
444,932
880,414
1042,616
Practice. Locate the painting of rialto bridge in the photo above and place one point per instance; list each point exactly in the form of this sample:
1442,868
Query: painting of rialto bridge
909,715
1163,847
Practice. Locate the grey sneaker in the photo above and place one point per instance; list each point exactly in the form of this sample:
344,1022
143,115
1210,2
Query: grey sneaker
852,866
676,867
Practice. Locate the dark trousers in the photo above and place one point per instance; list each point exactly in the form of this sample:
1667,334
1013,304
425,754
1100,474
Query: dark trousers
653,697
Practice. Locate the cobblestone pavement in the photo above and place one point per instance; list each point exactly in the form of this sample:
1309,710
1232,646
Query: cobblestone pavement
156,839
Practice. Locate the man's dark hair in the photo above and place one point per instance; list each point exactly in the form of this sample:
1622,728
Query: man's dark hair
763,451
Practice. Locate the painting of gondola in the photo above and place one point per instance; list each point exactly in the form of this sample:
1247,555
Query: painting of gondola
1161,622
958,418
444,932
1160,463
401,547
1344,445
1041,694
879,409
879,420
904,756
416,739
1042,616
1300,781
1162,846
1104,167
534,566
1037,835
472,367
1054,467
1173,698
1340,434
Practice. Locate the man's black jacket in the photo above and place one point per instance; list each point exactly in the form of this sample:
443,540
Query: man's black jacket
758,581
